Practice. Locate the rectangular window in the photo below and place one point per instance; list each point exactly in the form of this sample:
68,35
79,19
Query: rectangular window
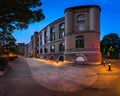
79,42
45,50
61,34
52,37
81,27
52,48
41,51
61,47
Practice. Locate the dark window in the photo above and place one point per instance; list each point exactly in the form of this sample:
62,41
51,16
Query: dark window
45,37
79,42
40,39
52,48
41,51
52,37
45,50
61,47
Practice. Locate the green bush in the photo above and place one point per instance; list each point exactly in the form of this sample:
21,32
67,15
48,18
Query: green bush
3,63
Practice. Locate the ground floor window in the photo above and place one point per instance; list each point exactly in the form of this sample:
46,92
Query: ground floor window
61,47
52,48
79,42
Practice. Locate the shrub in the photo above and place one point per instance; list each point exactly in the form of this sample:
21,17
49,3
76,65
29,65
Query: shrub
3,63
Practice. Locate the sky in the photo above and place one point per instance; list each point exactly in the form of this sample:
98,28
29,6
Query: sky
54,9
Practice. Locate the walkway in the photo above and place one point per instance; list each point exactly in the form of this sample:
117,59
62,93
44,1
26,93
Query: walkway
29,77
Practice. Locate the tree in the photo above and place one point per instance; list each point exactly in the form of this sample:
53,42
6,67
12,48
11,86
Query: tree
7,42
110,45
18,14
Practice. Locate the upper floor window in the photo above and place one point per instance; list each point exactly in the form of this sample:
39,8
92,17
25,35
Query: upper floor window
40,39
52,34
61,30
81,17
52,37
79,42
81,27
52,30
62,26
61,34
45,37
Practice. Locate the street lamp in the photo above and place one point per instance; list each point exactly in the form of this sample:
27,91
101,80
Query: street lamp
109,67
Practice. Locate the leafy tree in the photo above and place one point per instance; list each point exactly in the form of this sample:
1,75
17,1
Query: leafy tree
110,45
18,14
7,42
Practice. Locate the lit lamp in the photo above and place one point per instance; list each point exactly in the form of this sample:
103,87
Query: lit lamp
109,67
57,61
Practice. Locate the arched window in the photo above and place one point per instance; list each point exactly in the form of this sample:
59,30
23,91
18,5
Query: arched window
79,42
62,26
81,17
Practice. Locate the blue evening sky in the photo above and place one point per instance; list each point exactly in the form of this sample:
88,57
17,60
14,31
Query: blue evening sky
54,9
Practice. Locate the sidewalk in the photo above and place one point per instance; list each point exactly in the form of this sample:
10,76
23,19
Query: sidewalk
29,77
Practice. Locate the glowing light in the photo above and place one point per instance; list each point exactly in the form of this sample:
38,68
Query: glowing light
51,62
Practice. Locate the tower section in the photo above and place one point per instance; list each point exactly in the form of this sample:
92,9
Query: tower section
82,34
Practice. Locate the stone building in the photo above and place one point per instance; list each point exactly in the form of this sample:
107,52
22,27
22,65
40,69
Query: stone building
74,38
21,47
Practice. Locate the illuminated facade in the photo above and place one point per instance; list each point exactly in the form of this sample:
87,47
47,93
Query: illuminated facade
74,38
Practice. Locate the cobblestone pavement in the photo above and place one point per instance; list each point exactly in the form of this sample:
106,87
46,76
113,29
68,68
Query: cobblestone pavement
34,77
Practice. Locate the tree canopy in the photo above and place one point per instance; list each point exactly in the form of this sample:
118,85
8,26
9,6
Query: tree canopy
110,45
18,14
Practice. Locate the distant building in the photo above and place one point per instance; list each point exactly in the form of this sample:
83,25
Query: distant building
21,47
74,38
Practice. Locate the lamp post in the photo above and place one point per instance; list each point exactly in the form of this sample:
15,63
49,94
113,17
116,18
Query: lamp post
109,67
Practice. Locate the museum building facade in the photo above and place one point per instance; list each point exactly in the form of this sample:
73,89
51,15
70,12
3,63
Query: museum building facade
73,38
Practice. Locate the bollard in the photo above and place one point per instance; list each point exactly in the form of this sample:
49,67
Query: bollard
109,67
57,61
